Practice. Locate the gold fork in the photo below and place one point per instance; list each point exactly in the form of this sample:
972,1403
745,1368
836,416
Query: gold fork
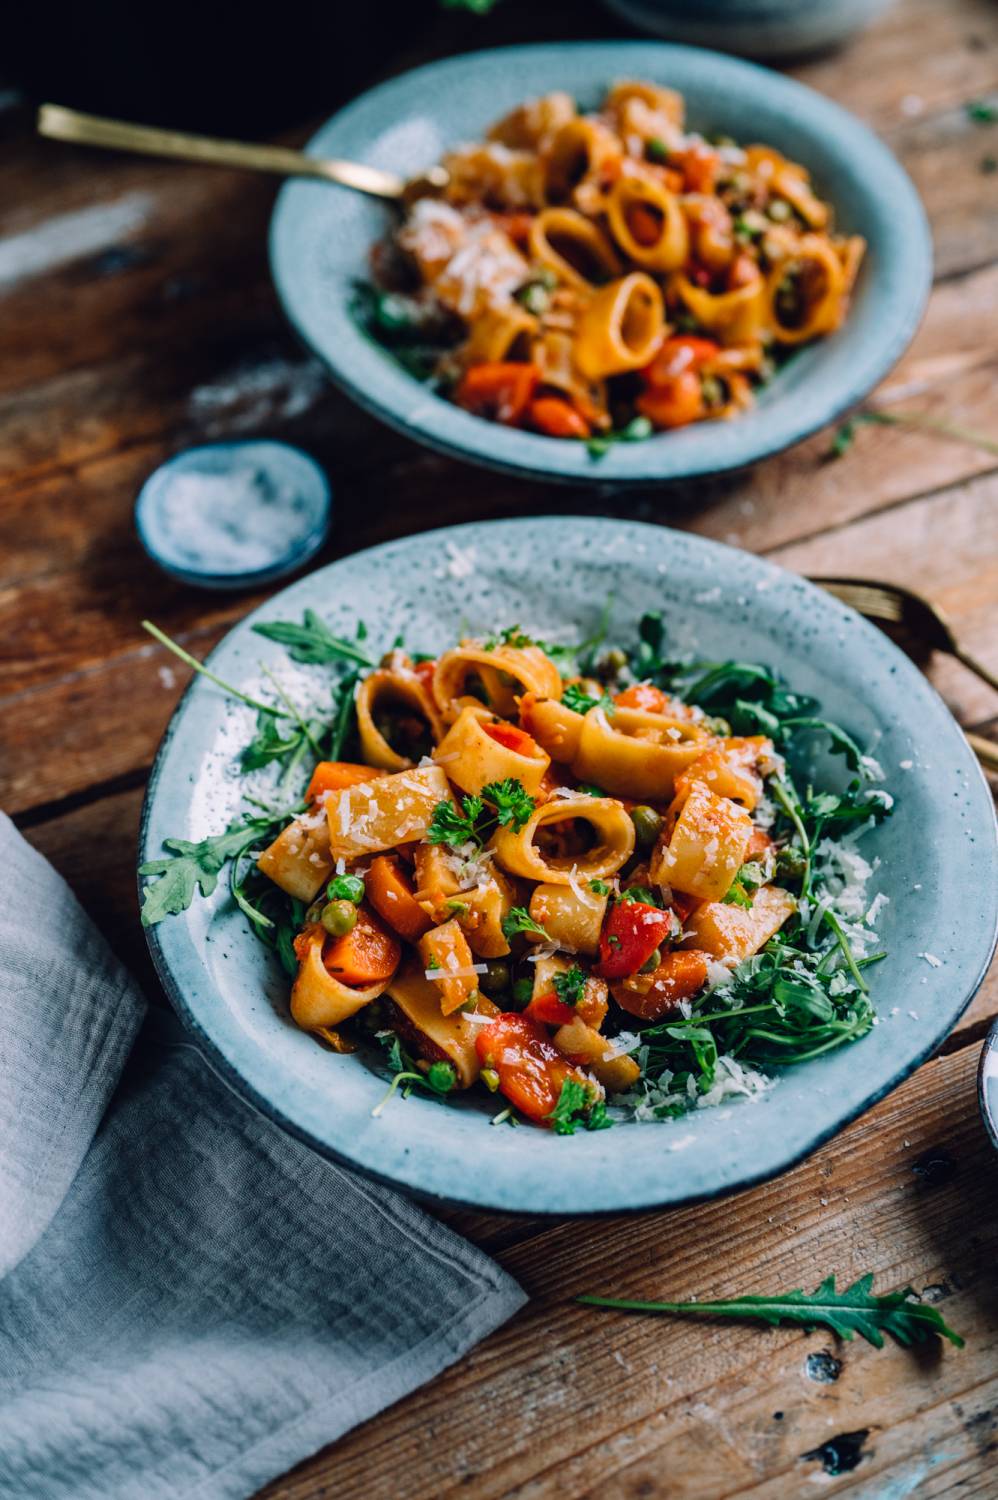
921,621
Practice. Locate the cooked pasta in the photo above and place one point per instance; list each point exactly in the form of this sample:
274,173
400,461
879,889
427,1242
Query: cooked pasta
539,871
611,272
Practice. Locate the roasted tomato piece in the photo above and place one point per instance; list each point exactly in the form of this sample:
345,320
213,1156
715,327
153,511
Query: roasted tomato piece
531,1070
679,976
631,933
549,1009
512,738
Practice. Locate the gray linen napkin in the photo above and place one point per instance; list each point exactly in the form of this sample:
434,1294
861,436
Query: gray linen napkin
191,1301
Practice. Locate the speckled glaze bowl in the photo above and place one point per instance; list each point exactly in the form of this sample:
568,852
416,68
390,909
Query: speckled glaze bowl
937,852
321,236
766,29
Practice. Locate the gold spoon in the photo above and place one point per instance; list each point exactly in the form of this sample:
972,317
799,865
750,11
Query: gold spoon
922,621
61,124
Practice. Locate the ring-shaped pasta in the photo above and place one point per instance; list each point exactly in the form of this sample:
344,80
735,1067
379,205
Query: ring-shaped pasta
396,687
554,355
667,103
647,222
706,848
637,754
474,752
621,327
531,126
556,727
499,335
579,152
519,855
815,262
735,317
573,247
788,180
506,672
318,998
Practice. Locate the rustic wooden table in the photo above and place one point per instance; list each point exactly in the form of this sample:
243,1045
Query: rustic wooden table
136,318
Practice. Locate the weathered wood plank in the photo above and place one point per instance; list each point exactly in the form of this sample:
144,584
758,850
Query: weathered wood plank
571,1402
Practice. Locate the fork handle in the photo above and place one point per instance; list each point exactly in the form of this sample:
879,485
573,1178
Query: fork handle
985,750
977,667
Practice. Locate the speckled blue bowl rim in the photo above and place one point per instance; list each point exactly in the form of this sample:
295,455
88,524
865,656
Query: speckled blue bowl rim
301,553
852,167
987,1084
450,1154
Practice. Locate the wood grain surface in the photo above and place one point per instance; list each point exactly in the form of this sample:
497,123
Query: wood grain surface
136,318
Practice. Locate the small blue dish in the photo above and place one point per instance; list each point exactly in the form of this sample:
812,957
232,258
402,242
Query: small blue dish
320,240
987,1084
938,859
766,29
234,515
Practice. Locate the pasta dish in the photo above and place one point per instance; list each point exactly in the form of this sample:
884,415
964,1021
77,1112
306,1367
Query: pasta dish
576,877
609,274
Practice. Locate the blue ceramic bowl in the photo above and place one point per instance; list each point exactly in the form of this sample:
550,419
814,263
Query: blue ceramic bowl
766,29
938,860
194,514
320,238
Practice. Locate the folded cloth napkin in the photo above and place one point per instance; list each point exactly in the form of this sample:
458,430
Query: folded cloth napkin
191,1301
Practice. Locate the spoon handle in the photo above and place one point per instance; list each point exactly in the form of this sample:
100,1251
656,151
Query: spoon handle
976,667
985,750
63,124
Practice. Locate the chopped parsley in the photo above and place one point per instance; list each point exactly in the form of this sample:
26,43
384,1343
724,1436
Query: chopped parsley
575,697
570,986
517,920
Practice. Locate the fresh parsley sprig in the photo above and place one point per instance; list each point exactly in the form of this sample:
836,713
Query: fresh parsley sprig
576,1106
570,985
854,1310
575,697
500,804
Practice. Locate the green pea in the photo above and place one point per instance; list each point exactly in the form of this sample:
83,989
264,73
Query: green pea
779,210
339,918
791,864
441,1077
345,888
647,826
615,660
496,977
523,992
651,963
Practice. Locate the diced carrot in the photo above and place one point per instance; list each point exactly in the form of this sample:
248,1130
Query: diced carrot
556,417
512,738
390,892
644,224
365,955
699,166
549,1009
759,844
502,391
675,403
679,976
646,696
334,775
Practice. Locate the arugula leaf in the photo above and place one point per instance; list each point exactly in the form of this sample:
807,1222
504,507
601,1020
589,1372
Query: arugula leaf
312,642
268,744
190,867
575,697
517,920
439,1080
570,985
856,1309
981,111
842,743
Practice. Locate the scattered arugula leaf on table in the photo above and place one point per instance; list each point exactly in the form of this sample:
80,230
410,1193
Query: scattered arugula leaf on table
854,1310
